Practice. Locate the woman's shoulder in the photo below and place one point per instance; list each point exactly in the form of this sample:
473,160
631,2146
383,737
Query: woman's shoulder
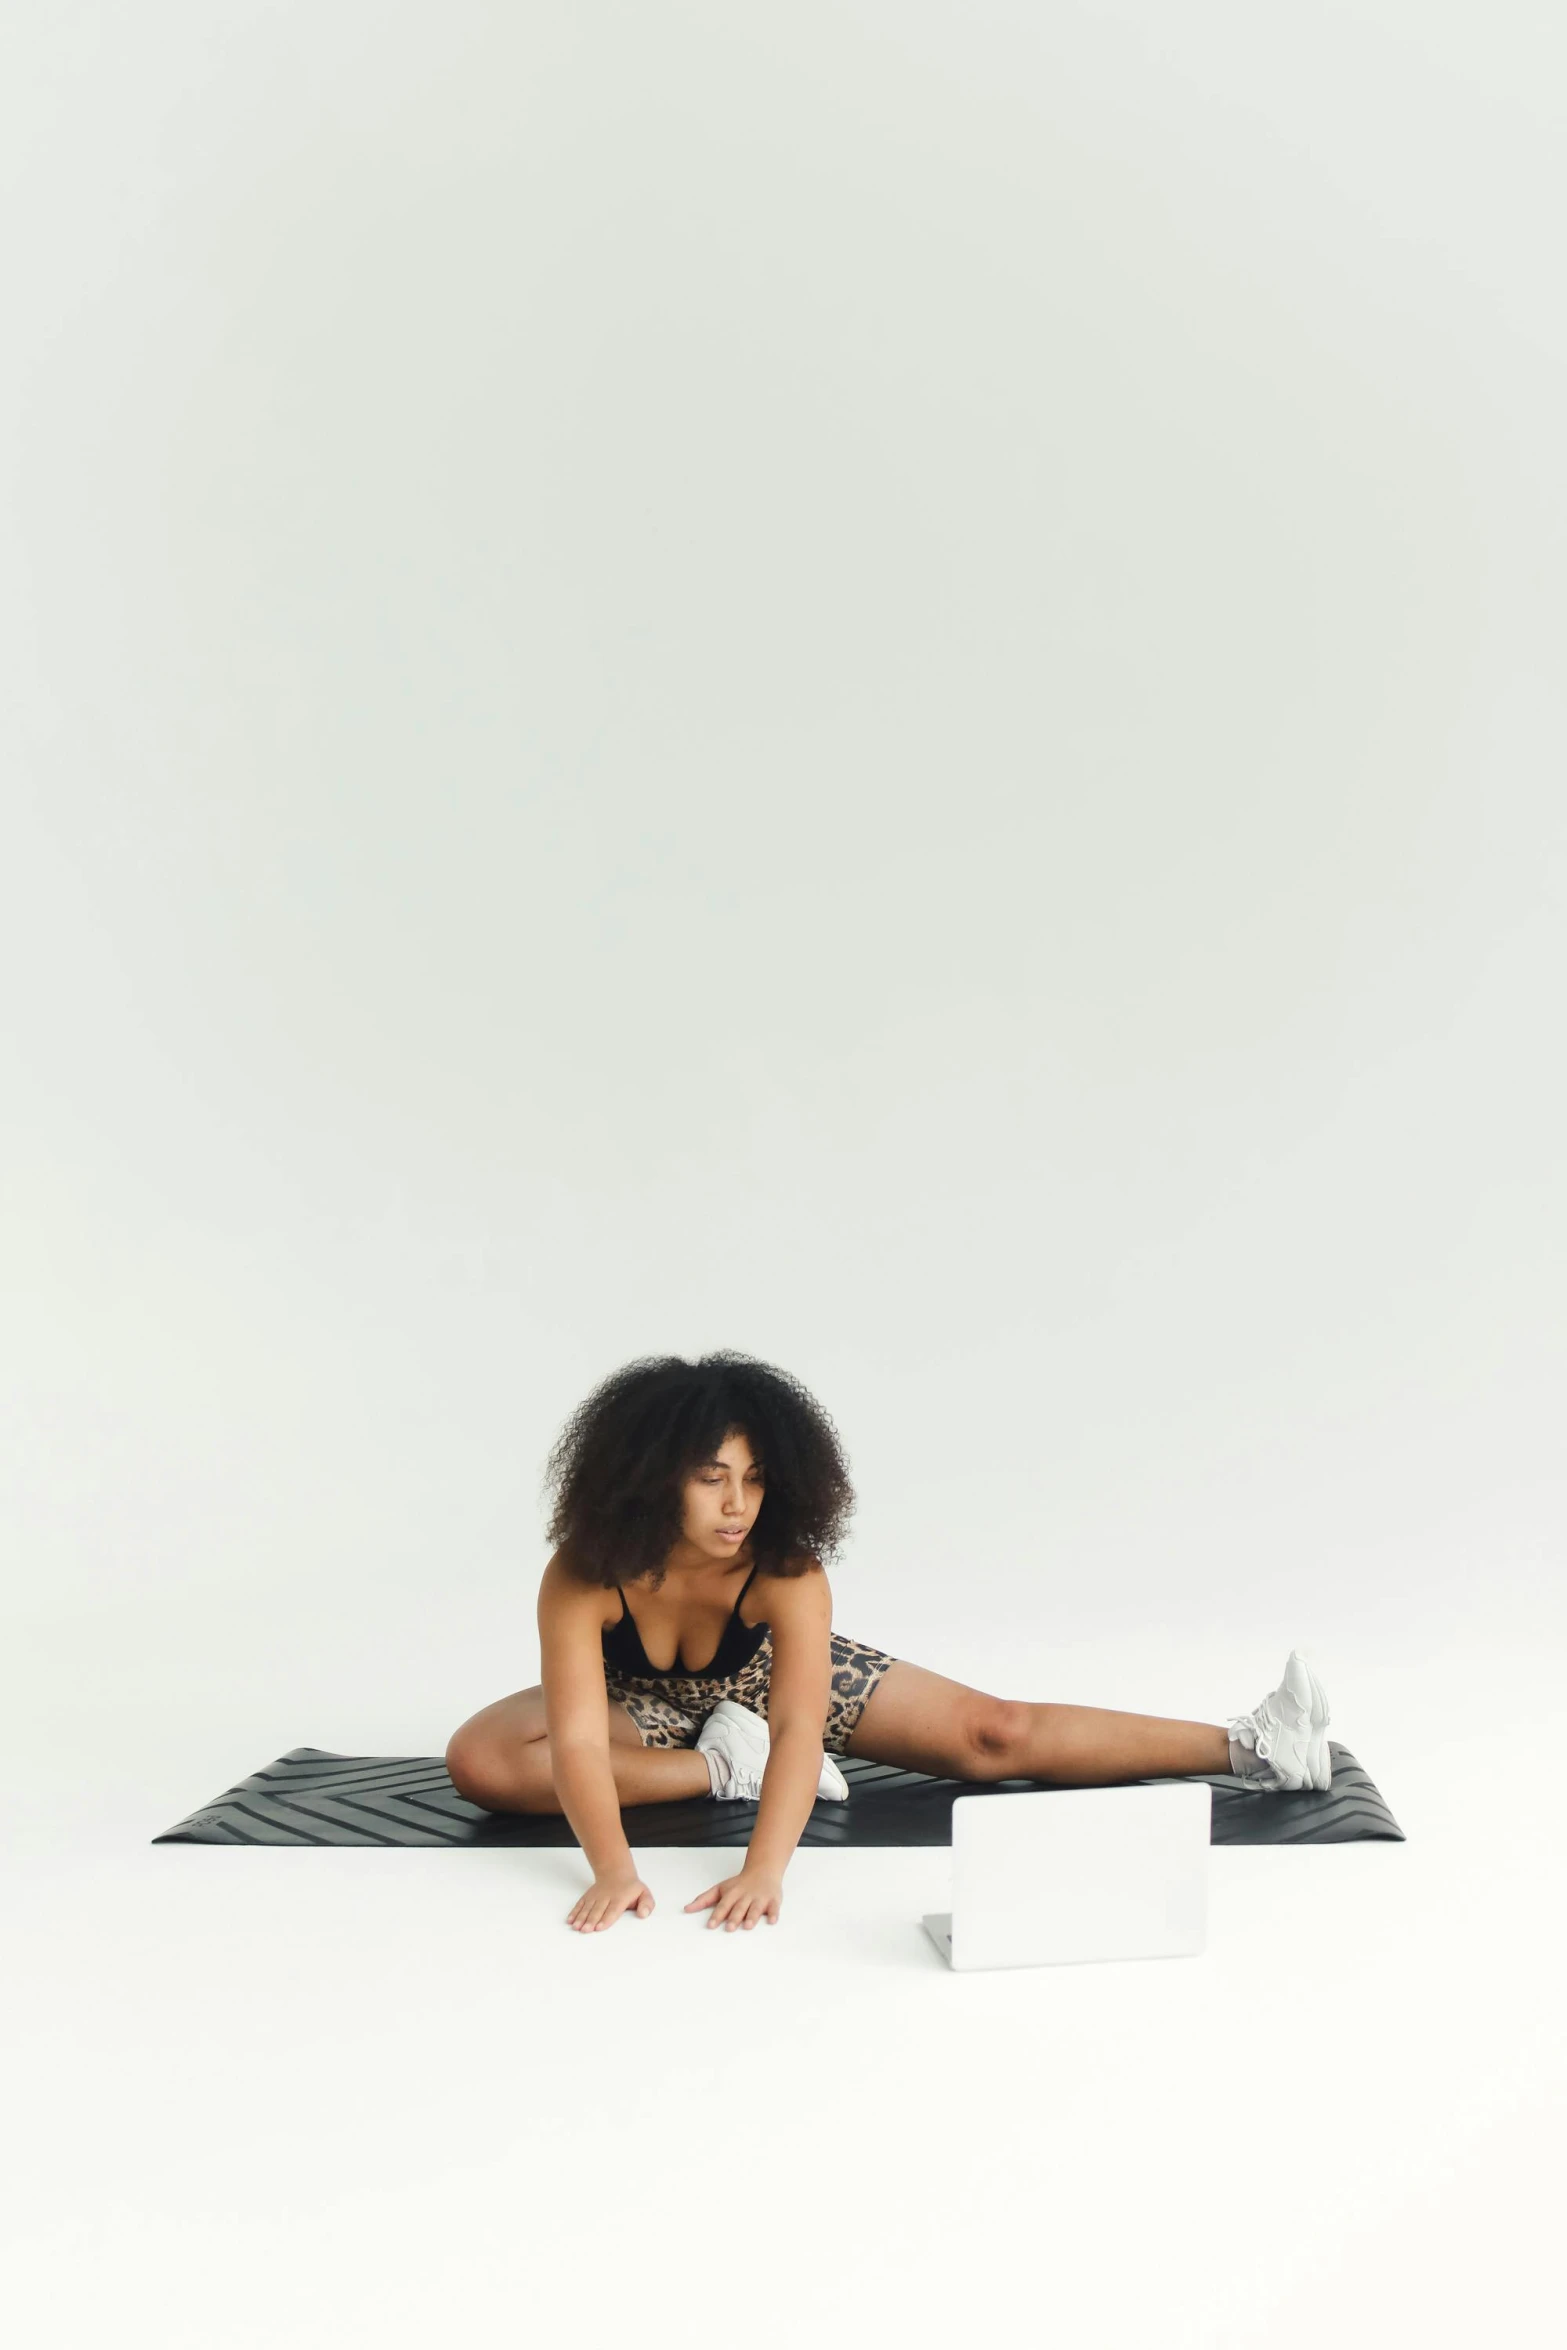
770,1589
801,1568
559,1587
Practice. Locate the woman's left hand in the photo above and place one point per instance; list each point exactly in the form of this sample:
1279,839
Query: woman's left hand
742,1900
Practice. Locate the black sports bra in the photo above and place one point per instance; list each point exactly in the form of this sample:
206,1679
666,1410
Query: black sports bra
624,1650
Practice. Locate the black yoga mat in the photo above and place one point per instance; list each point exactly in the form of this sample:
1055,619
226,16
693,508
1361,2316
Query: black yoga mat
312,1796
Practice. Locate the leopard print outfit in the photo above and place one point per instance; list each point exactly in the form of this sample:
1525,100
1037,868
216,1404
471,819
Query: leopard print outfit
670,1708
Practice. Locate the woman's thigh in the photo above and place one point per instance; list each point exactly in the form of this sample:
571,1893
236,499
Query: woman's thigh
921,1721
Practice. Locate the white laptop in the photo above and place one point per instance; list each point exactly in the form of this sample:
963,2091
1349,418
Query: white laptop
1053,1876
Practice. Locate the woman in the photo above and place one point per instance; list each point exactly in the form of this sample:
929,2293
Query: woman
694,1505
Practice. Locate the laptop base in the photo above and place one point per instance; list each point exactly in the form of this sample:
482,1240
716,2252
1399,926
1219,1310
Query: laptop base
939,1927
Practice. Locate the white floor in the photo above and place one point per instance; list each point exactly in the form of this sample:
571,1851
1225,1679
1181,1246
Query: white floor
342,2098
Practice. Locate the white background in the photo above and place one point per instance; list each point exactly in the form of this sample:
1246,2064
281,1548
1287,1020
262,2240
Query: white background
879,683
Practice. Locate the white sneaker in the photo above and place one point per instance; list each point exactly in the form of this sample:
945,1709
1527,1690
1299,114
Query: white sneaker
1288,1732
739,1742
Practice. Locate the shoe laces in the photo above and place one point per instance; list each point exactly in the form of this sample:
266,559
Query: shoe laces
1270,1718
1261,1742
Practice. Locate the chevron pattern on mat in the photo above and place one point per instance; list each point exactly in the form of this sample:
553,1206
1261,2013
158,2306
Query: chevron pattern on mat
312,1796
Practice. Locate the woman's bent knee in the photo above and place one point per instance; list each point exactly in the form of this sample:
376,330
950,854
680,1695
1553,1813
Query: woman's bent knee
514,1777
467,1767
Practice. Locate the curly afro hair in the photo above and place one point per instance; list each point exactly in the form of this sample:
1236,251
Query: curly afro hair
618,1466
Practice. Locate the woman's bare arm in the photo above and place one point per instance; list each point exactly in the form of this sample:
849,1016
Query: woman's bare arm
799,1693
576,1717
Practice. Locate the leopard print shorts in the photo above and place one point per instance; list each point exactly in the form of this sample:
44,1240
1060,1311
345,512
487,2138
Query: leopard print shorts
669,1710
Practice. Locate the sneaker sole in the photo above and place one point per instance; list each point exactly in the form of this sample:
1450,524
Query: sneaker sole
746,1787
1319,1763
750,1791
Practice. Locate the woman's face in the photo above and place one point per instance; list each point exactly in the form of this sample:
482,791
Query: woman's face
720,1494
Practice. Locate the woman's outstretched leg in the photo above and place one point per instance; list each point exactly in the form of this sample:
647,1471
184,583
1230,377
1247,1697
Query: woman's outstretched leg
921,1721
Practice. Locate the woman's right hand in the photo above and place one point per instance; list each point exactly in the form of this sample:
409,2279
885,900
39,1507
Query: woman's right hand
611,1891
